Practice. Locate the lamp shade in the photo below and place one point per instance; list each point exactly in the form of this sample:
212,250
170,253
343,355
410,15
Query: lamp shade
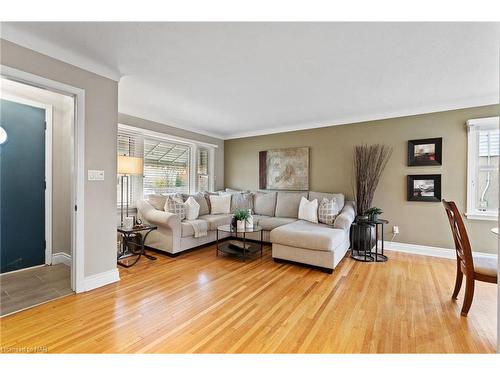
130,165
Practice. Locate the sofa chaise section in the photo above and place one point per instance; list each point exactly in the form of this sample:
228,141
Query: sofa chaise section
314,244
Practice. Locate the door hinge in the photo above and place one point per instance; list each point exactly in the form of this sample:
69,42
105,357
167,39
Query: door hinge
45,125
76,207
45,185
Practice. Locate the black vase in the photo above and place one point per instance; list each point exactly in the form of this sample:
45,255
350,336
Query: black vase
363,237
234,222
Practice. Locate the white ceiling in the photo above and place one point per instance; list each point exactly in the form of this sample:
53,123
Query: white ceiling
238,79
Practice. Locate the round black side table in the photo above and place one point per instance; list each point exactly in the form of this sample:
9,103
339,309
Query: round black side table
362,242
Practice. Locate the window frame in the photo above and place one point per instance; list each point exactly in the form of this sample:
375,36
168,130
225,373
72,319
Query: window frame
194,146
474,126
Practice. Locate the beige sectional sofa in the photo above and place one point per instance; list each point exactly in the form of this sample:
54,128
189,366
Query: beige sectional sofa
292,239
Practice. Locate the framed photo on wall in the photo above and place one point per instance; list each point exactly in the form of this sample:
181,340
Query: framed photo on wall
425,152
424,187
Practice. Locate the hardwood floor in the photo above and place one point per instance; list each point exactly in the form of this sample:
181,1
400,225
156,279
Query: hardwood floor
200,303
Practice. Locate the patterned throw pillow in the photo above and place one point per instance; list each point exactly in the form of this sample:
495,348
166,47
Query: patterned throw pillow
327,211
174,205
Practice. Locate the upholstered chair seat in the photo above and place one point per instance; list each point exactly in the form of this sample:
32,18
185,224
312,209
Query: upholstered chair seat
485,265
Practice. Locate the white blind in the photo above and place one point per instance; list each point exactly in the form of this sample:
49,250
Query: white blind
203,174
166,167
489,143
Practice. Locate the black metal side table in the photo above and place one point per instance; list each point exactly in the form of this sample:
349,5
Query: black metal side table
128,237
361,239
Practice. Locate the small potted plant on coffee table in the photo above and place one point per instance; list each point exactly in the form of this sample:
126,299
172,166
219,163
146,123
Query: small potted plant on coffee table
241,216
373,213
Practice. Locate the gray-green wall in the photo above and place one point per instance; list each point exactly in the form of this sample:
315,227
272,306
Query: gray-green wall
331,150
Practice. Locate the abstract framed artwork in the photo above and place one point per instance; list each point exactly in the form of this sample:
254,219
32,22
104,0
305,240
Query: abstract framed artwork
425,152
424,187
284,169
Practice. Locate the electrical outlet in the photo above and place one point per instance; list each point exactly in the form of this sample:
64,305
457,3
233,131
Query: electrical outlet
395,229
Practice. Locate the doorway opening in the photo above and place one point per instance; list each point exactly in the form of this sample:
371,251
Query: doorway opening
37,200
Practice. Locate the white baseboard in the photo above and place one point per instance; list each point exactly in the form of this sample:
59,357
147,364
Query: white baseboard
439,252
101,279
63,258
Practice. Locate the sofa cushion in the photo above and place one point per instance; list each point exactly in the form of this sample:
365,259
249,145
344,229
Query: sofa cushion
241,201
175,205
192,209
287,203
157,201
328,211
269,222
215,221
201,200
340,199
220,204
307,235
308,210
264,203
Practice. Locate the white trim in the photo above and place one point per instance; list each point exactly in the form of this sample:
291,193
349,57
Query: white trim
484,123
61,257
46,47
165,136
211,169
78,194
473,127
432,251
481,215
48,166
101,279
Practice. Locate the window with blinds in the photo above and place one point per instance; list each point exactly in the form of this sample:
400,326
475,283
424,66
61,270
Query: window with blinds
166,167
482,170
203,177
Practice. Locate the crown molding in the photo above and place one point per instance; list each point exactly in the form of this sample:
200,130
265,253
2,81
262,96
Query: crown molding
165,121
491,99
45,47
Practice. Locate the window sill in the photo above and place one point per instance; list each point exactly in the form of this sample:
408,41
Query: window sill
481,216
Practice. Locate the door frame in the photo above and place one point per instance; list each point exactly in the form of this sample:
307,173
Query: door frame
48,166
78,188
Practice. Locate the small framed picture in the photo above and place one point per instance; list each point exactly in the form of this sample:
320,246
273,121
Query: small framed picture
424,187
423,152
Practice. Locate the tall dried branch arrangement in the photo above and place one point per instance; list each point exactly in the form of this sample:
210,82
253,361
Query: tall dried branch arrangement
369,163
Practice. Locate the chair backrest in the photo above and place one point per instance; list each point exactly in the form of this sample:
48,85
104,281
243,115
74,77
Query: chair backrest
462,244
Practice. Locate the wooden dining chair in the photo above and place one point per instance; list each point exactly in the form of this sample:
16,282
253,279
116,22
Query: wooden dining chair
473,267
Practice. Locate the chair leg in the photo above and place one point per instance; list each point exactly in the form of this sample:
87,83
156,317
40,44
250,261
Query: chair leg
469,295
458,283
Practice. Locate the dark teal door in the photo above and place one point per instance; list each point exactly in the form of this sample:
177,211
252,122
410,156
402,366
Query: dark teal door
22,181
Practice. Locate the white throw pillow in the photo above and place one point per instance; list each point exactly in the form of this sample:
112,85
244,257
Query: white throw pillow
220,204
192,208
308,210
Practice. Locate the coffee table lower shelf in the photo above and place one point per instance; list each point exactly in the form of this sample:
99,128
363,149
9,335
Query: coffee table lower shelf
232,249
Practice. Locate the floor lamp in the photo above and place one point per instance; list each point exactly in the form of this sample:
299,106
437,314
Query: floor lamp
127,166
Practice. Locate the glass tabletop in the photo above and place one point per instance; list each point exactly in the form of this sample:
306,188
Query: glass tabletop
229,228
137,228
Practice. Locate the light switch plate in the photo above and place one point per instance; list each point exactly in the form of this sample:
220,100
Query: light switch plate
95,175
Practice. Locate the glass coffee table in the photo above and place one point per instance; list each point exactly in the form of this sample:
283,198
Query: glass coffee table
236,243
